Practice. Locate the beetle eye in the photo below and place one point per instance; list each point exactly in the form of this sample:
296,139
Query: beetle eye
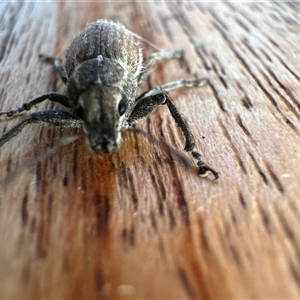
79,111
122,107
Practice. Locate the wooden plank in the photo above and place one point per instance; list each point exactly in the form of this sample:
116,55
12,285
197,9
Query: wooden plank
136,224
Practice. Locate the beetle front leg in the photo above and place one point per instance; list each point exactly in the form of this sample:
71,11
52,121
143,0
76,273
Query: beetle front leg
54,117
146,105
203,168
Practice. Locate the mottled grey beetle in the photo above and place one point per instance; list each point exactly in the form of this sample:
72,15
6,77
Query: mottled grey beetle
103,70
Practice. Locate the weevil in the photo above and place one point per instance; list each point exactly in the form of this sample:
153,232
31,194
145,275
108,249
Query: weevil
103,69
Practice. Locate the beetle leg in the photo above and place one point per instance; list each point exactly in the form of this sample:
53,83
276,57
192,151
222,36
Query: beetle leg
55,97
54,117
58,63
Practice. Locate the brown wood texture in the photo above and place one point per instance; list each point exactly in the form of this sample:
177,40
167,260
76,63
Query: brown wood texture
136,224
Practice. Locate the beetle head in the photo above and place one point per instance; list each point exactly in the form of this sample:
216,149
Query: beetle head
95,88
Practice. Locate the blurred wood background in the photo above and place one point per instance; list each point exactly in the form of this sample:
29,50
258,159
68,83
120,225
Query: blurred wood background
136,224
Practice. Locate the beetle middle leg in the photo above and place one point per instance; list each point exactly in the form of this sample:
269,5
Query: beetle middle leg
156,57
174,85
52,96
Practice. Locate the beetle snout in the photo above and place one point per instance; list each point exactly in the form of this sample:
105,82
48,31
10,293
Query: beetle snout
103,145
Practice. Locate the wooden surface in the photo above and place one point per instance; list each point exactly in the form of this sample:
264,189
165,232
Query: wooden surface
137,224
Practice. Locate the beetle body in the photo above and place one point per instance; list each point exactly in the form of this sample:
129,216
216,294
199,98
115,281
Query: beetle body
102,66
103,70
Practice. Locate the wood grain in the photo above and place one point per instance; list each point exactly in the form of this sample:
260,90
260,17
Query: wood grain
136,224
